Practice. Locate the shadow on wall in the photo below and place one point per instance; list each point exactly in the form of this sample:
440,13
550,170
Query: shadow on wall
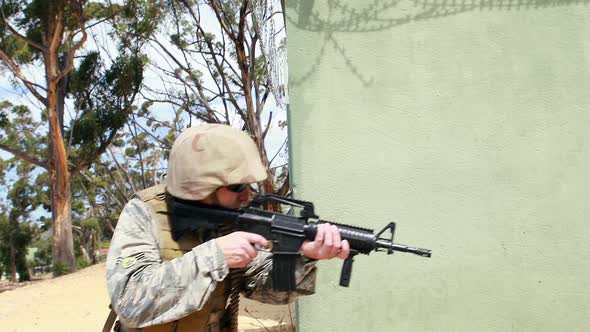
336,16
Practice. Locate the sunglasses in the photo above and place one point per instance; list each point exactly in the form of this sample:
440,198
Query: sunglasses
238,188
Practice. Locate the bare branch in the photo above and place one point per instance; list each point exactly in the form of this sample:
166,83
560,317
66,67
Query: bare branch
57,33
73,50
19,35
111,194
98,22
134,135
188,70
267,125
223,21
121,170
264,97
104,144
15,69
23,156
286,186
157,139
278,151
218,65
253,74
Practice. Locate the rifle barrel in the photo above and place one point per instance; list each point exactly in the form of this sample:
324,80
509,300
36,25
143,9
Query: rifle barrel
400,247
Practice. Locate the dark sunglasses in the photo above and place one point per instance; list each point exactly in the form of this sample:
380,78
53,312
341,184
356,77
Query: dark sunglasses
237,188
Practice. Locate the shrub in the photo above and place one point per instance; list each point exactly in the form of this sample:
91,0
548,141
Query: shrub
60,268
81,263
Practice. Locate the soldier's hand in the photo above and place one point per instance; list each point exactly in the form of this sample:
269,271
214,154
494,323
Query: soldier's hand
238,248
327,244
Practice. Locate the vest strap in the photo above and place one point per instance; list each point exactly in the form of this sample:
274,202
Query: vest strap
108,324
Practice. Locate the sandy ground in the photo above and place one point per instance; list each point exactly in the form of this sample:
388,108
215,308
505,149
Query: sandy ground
79,302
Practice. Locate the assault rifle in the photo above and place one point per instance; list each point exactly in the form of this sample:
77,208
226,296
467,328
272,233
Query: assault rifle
286,232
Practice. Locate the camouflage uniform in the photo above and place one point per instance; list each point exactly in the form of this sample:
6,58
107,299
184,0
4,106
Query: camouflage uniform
147,288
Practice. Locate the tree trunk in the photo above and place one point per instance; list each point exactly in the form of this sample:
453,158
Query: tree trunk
85,254
252,117
12,261
63,242
94,248
61,195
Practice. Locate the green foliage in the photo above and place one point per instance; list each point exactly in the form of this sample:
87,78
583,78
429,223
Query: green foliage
15,236
9,8
20,132
38,15
33,19
78,206
3,119
19,50
103,98
82,263
90,224
106,101
20,196
260,69
126,75
103,95
60,268
41,197
96,10
42,258
137,21
178,41
82,77
26,192
23,270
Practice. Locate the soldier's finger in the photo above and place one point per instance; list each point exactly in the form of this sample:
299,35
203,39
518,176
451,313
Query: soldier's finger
337,238
237,260
319,235
249,251
328,237
336,243
344,250
256,239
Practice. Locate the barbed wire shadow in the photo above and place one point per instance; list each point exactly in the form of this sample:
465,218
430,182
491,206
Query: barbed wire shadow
337,16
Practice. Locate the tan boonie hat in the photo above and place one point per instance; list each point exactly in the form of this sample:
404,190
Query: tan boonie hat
210,156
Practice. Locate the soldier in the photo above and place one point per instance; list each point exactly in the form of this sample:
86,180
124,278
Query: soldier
159,284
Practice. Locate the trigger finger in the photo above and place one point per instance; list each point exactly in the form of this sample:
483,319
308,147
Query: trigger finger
250,251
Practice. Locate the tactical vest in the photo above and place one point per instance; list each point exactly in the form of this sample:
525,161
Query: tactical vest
211,317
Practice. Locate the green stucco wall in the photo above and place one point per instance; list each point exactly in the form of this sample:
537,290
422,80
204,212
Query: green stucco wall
468,124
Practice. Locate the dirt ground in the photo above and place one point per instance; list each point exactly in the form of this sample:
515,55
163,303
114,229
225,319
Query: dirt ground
79,302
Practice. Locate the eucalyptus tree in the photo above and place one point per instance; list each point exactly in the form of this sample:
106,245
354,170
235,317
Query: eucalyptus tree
15,238
23,192
52,34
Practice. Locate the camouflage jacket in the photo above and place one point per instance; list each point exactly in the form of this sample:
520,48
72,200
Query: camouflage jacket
146,291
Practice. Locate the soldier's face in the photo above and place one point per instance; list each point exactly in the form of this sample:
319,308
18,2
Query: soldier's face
232,200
